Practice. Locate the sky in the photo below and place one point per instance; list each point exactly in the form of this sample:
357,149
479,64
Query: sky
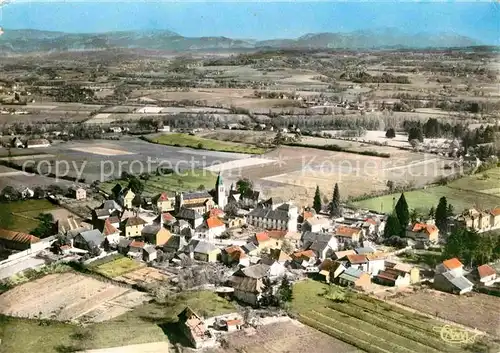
262,19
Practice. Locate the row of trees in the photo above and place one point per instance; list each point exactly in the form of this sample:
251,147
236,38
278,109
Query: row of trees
401,217
471,248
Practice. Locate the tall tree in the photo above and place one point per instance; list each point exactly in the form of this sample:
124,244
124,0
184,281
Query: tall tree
392,226
317,200
285,293
335,209
450,210
441,215
402,212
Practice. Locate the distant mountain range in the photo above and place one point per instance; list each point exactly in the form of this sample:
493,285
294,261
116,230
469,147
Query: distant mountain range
22,41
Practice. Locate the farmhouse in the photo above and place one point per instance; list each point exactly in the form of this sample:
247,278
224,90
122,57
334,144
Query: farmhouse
149,253
393,277
110,232
314,224
330,270
413,271
126,198
17,240
215,227
37,143
323,244
202,251
17,143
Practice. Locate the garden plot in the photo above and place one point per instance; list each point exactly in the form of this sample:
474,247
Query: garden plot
145,275
69,297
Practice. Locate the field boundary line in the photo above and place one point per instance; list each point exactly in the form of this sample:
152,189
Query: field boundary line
341,333
438,318
367,333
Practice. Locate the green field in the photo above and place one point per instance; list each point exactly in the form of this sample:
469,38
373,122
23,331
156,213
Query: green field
185,140
116,267
143,325
369,324
23,214
480,190
192,180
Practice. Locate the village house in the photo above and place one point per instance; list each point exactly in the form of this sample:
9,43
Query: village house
17,143
88,239
449,277
495,218
357,261
478,220
248,283
339,255
315,224
413,271
263,241
487,275
149,253
276,269
235,222
393,277
201,250
77,193
304,258
155,234
323,244
356,278
330,270
135,248
132,226
163,202
348,234
194,328
110,232
175,244
279,256
235,255
193,217
215,227
18,241
126,198
166,219
251,249
423,232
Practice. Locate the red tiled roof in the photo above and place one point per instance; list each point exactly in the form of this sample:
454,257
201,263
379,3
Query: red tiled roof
233,322
307,214
137,244
357,259
18,237
347,231
305,253
277,234
134,221
215,212
163,197
262,236
235,252
109,228
452,264
485,271
371,221
428,228
167,217
214,222
495,212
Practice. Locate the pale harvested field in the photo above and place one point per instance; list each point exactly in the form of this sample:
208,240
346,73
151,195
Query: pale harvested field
69,297
102,151
284,337
474,310
144,275
156,347
294,172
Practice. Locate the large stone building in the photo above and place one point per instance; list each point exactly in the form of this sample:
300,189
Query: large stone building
200,202
274,214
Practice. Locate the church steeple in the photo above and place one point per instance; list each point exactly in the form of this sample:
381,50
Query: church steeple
220,192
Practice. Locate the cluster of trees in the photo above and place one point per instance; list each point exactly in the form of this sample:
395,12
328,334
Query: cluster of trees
334,207
72,93
432,128
283,295
364,77
471,248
